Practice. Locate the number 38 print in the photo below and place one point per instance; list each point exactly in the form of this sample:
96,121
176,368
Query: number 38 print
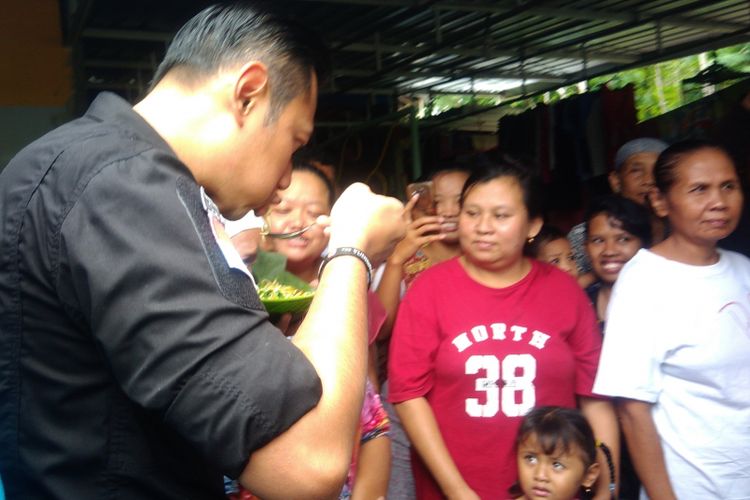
517,395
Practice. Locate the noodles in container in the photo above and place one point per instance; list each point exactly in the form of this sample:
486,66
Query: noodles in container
279,290
279,297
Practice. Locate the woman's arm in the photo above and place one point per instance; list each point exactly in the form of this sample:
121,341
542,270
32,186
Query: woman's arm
419,422
389,292
372,367
389,289
373,469
645,448
601,415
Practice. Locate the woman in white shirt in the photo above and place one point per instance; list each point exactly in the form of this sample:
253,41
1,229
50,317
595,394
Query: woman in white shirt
677,342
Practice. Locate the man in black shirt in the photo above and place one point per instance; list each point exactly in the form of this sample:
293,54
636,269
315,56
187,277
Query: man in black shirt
136,361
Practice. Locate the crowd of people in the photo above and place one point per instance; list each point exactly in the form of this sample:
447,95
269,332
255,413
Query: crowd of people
488,320
460,349
675,317
489,356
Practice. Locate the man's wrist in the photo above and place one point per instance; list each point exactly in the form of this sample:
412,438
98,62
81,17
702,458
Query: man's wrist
348,252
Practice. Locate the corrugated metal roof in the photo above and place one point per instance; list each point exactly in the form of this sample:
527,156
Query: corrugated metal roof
407,47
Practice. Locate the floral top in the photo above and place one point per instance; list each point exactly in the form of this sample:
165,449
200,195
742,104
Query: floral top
414,265
373,422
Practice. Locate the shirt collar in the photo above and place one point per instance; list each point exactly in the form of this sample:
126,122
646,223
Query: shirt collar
111,108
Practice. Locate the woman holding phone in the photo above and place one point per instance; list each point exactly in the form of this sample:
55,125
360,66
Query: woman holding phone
431,238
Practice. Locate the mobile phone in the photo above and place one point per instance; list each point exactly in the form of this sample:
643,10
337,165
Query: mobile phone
425,203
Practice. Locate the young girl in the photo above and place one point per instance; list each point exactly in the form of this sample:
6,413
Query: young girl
552,246
556,454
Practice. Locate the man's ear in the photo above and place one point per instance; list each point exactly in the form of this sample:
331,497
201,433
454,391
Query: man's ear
250,87
658,202
614,181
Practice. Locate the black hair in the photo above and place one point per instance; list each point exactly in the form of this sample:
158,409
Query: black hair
450,168
227,35
664,169
308,167
558,428
546,234
626,214
508,168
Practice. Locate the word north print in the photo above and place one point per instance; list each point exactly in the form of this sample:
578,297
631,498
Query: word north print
517,394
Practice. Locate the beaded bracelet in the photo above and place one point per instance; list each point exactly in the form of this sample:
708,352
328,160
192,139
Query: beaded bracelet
350,251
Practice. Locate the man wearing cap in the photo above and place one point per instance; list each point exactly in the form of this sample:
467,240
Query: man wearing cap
136,359
632,177
633,174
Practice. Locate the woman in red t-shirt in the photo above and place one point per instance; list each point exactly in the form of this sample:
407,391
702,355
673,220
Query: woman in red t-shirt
483,338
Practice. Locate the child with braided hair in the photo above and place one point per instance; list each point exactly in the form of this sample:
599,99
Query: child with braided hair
556,453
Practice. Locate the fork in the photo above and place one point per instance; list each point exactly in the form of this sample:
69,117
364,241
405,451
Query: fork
265,231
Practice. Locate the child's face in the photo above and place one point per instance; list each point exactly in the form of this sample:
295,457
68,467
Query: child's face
559,254
558,476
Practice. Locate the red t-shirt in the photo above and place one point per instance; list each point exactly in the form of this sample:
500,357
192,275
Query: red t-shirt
483,357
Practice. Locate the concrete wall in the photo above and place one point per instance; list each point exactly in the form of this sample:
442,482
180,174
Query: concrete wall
36,83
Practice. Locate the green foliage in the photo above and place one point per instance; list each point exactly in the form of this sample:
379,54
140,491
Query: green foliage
658,88
442,103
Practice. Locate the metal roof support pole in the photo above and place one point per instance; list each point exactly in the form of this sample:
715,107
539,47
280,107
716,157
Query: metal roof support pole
153,62
657,72
378,53
522,69
438,26
659,47
139,82
585,69
416,156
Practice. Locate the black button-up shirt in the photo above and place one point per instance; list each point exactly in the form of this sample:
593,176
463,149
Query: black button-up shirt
134,362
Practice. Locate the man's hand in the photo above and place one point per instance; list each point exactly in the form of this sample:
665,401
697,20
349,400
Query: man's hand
370,222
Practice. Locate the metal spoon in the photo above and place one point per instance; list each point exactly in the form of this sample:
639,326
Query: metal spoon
283,236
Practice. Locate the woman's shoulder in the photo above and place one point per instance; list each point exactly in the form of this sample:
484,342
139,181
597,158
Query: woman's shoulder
543,272
644,263
555,287
738,264
440,270
735,259
434,277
